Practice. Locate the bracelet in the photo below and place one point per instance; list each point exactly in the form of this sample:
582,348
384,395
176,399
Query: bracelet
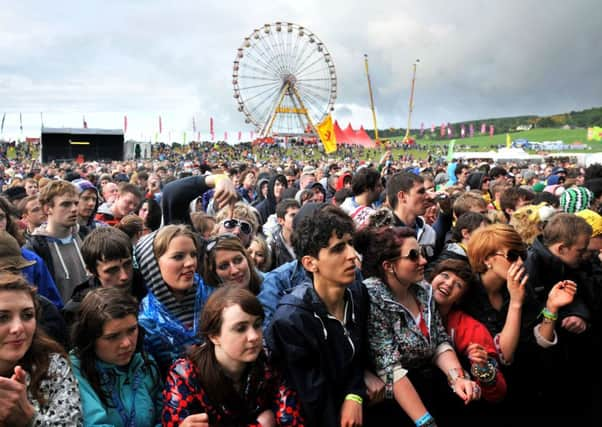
355,398
485,374
453,374
547,314
424,420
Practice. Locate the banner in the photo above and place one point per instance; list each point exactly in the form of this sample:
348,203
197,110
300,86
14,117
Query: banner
593,134
184,138
491,130
193,124
471,131
239,135
211,126
433,128
442,130
226,136
2,126
508,141
421,128
160,125
463,131
125,124
483,128
327,136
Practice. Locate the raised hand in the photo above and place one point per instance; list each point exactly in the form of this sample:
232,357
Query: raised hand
516,281
561,294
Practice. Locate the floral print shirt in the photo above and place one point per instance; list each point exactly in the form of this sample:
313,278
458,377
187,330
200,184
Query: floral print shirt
63,406
396,340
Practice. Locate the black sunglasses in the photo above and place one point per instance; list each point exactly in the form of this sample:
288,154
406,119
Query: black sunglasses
211,243
512,255
414,255
231,224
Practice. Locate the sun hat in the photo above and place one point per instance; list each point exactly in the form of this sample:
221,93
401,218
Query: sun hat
10,253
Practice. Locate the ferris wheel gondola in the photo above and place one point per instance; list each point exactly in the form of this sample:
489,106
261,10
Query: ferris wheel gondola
284,79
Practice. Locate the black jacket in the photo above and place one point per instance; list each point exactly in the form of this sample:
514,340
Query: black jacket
280,253
545,270
320,358
177,196
267,206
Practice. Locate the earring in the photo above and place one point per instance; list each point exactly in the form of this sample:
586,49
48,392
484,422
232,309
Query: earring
488,266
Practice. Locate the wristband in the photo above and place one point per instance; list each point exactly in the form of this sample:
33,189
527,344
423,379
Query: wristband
424,420
355,398
547,314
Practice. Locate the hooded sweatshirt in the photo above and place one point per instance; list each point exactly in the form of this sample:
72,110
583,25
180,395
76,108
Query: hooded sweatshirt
63,259
268,206
82,185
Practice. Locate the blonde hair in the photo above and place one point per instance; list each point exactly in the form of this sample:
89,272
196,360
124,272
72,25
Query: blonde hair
266,250
166,234
56,189
240,211
487,241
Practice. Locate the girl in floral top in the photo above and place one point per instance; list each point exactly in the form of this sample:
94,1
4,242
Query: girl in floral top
405,331
227,380
37,386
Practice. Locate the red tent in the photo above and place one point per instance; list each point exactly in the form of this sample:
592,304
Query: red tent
351,137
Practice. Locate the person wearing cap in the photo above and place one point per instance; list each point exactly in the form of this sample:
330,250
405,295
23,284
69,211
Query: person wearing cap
86,207
308,177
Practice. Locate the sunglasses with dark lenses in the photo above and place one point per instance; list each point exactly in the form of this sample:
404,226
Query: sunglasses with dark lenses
231,224
513,255
211,243
414,255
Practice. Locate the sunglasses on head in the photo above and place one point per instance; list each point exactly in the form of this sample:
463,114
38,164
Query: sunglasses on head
414,255
211,243
512,255
231,224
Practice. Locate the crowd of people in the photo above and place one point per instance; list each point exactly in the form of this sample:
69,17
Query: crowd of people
215,291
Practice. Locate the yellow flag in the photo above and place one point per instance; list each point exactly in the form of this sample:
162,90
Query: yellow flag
508,141
326,133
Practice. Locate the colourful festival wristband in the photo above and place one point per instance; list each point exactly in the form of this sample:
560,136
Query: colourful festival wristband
426,418
548,314
355,398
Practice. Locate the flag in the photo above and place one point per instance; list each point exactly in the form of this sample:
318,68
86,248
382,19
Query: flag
85,123
421,128
483,128
212,136
450,150
433,128
593,134
491,130
508,141
2,126
226,136
327,136
442,130
251,133
239,135
471,130
211,131
462,131
42,120
125,123
21,122
193,124
160,125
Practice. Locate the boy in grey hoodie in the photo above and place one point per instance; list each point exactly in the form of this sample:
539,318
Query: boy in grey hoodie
57,241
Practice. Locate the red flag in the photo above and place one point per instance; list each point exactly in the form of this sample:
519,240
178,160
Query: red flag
462,131
160,125
483,128
442,129
211,131
125,124
226,136
433,128
239,135
193,125
85,123
491,130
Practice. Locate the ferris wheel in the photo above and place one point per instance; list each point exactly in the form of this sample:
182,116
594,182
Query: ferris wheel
284,80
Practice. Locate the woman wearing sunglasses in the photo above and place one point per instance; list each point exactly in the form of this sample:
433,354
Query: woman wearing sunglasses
405,331
501,301
240,220
176,294
228,263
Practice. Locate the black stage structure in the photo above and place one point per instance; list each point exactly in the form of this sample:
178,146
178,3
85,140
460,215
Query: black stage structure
59,144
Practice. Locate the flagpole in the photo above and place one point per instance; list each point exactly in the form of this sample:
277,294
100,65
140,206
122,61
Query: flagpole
411,103
371,98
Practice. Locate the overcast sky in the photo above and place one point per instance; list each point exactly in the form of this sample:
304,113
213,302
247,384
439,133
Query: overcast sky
145,58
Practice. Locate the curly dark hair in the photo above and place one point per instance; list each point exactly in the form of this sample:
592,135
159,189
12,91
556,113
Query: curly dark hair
314,231
380,244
